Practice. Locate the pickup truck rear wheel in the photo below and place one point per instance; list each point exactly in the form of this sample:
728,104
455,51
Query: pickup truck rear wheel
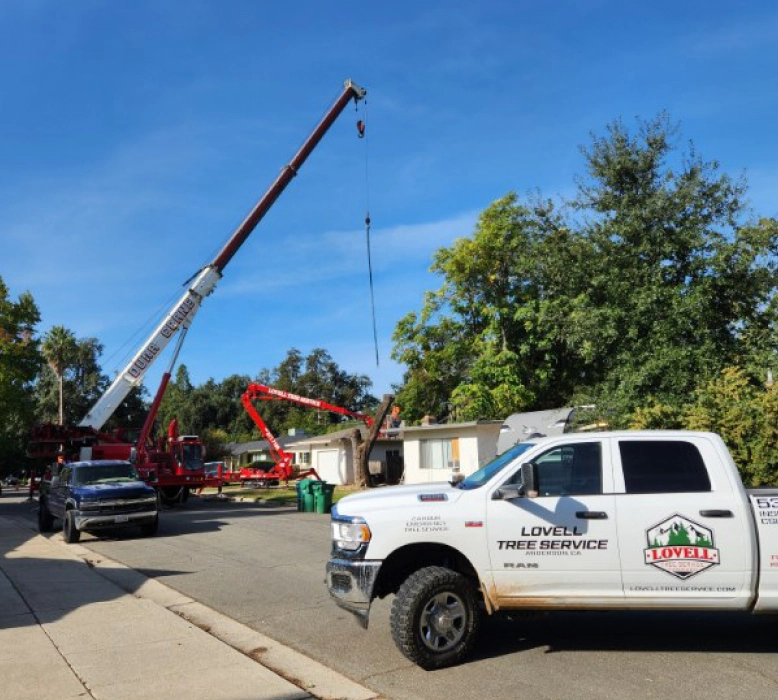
70,532
435,617
45,518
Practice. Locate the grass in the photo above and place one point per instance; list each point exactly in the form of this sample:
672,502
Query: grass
276,494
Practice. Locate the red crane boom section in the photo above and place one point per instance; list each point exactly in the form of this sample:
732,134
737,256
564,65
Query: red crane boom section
283,460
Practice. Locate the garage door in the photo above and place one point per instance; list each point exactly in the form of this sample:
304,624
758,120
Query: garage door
327,466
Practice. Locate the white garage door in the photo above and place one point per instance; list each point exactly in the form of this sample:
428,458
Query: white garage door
327,466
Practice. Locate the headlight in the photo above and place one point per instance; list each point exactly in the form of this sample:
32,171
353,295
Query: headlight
350,534
89,503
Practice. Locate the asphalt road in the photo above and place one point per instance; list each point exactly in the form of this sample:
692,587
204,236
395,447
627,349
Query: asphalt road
265,568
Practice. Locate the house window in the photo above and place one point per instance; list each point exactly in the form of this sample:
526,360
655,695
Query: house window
303,458
440,454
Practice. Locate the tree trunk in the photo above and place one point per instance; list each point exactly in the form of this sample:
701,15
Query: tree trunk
61,401
356,448
362,451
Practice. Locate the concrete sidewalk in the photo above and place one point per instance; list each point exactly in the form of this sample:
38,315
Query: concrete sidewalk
74,625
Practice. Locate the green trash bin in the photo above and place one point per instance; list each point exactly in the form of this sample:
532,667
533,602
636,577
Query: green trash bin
301,487
322,496
308,495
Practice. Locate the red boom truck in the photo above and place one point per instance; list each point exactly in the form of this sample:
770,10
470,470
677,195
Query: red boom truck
282,470
176,464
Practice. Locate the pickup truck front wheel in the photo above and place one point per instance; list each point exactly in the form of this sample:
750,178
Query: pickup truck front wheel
435,617
70,533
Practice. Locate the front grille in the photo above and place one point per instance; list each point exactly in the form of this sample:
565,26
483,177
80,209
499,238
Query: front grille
121,505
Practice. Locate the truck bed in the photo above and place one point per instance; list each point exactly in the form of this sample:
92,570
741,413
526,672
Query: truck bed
764,503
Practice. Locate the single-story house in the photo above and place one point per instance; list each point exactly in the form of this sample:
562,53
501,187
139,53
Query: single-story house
440,452
409,454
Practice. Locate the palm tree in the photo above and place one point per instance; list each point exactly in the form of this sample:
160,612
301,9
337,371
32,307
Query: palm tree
59,348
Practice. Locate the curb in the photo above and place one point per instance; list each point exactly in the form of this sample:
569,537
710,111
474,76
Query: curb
310,676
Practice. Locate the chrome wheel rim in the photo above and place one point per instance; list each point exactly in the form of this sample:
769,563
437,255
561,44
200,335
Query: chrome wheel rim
442,622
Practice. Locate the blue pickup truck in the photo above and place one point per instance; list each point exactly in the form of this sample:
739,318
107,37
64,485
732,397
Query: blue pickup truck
97,495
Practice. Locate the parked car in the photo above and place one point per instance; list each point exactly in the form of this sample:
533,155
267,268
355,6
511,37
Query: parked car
97,495
653,520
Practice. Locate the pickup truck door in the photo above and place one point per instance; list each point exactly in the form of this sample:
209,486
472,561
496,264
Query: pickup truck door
684,532
561,545
58,492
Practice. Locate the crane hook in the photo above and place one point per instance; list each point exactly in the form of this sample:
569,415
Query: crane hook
360,129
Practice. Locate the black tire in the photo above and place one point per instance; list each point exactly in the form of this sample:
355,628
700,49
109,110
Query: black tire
45,518
435,617
171,495
150,529
70,533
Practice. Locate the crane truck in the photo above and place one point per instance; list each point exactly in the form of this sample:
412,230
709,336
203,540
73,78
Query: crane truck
176,464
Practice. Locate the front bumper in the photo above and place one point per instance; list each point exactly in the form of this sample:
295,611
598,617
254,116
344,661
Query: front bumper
87,521
351,584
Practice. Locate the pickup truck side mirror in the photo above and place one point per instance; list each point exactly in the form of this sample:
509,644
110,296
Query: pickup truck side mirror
529,478
528,486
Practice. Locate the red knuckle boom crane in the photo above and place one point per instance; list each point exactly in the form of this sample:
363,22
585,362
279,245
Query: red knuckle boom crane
283,471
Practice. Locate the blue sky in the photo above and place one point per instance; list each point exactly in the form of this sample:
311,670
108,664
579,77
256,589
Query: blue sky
137,135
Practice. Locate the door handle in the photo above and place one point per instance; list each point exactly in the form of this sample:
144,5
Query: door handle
591,515
717,514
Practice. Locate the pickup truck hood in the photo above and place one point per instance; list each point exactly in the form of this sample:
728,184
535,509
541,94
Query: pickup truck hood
413,495
129,489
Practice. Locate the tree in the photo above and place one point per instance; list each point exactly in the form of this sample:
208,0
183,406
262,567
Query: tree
59,348
83,383
745,414
679,278
650,283
493,340
20,360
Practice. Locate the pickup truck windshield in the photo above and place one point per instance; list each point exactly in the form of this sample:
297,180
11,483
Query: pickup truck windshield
104,474
479,478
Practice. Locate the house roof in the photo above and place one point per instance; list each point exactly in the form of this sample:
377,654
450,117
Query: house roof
449,426
286,441
345,434
521,426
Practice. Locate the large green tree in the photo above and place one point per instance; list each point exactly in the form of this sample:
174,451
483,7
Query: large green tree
651,282
683,283
19,363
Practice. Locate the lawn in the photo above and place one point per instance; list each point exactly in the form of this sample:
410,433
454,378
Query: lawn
283,495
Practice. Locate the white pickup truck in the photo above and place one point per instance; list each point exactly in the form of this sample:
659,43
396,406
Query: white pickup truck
597,521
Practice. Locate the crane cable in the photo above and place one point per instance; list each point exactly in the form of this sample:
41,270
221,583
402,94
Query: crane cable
361,132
